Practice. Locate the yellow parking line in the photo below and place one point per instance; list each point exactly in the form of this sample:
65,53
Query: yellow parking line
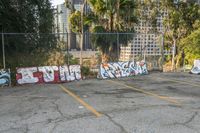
97,114
149,93
182,82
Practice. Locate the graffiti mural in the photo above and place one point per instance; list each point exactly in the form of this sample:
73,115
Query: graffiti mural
122,69
196,67
26,75
5,77
70,73
48,74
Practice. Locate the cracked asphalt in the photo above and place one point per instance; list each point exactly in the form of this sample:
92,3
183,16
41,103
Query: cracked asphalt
154,103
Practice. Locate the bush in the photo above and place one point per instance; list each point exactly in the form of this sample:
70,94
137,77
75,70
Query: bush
85,71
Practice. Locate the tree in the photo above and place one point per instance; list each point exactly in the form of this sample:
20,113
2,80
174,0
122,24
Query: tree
179,23
27,16
77,24
108,16
31,20
115,15
191,46
115,19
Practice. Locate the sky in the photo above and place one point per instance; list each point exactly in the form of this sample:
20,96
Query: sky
56,2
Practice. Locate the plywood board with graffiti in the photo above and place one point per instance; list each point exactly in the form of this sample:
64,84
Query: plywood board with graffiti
122,69
48,74
5,79
196,67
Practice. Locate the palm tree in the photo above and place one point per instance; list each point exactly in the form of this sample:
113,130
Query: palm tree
112,16
106,19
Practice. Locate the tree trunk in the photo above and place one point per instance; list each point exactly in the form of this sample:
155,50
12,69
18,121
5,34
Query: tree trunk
173,54
82,32
111,22
104,58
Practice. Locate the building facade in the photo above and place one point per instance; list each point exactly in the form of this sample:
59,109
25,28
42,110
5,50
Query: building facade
144,43
63,30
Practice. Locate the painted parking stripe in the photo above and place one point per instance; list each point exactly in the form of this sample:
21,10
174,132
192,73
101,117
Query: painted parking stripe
182,82
90,108
168,99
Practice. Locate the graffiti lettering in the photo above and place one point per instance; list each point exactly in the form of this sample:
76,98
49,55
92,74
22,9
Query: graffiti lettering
75,72
48,74
122,69
27,75
196,67
70,73
4,77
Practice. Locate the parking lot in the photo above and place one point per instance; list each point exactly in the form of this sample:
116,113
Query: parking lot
154,103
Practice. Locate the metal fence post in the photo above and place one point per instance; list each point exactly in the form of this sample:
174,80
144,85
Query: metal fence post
118,46
3,50
162,51
67,49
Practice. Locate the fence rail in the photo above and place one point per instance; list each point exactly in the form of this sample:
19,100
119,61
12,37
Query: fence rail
39,49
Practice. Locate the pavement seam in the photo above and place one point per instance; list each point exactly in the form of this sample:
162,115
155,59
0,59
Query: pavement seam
116,124
57,108
187,122
190,119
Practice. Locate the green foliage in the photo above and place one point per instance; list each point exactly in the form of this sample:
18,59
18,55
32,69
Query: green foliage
85,70
191,46
118,15
113,18
86,73
75,21
182,18
27,16
28,50
107,16
31,20
69,59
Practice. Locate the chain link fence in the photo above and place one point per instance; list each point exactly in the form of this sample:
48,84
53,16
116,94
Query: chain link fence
134,47
34,49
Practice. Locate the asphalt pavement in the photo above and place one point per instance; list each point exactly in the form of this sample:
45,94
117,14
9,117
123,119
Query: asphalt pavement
154,103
